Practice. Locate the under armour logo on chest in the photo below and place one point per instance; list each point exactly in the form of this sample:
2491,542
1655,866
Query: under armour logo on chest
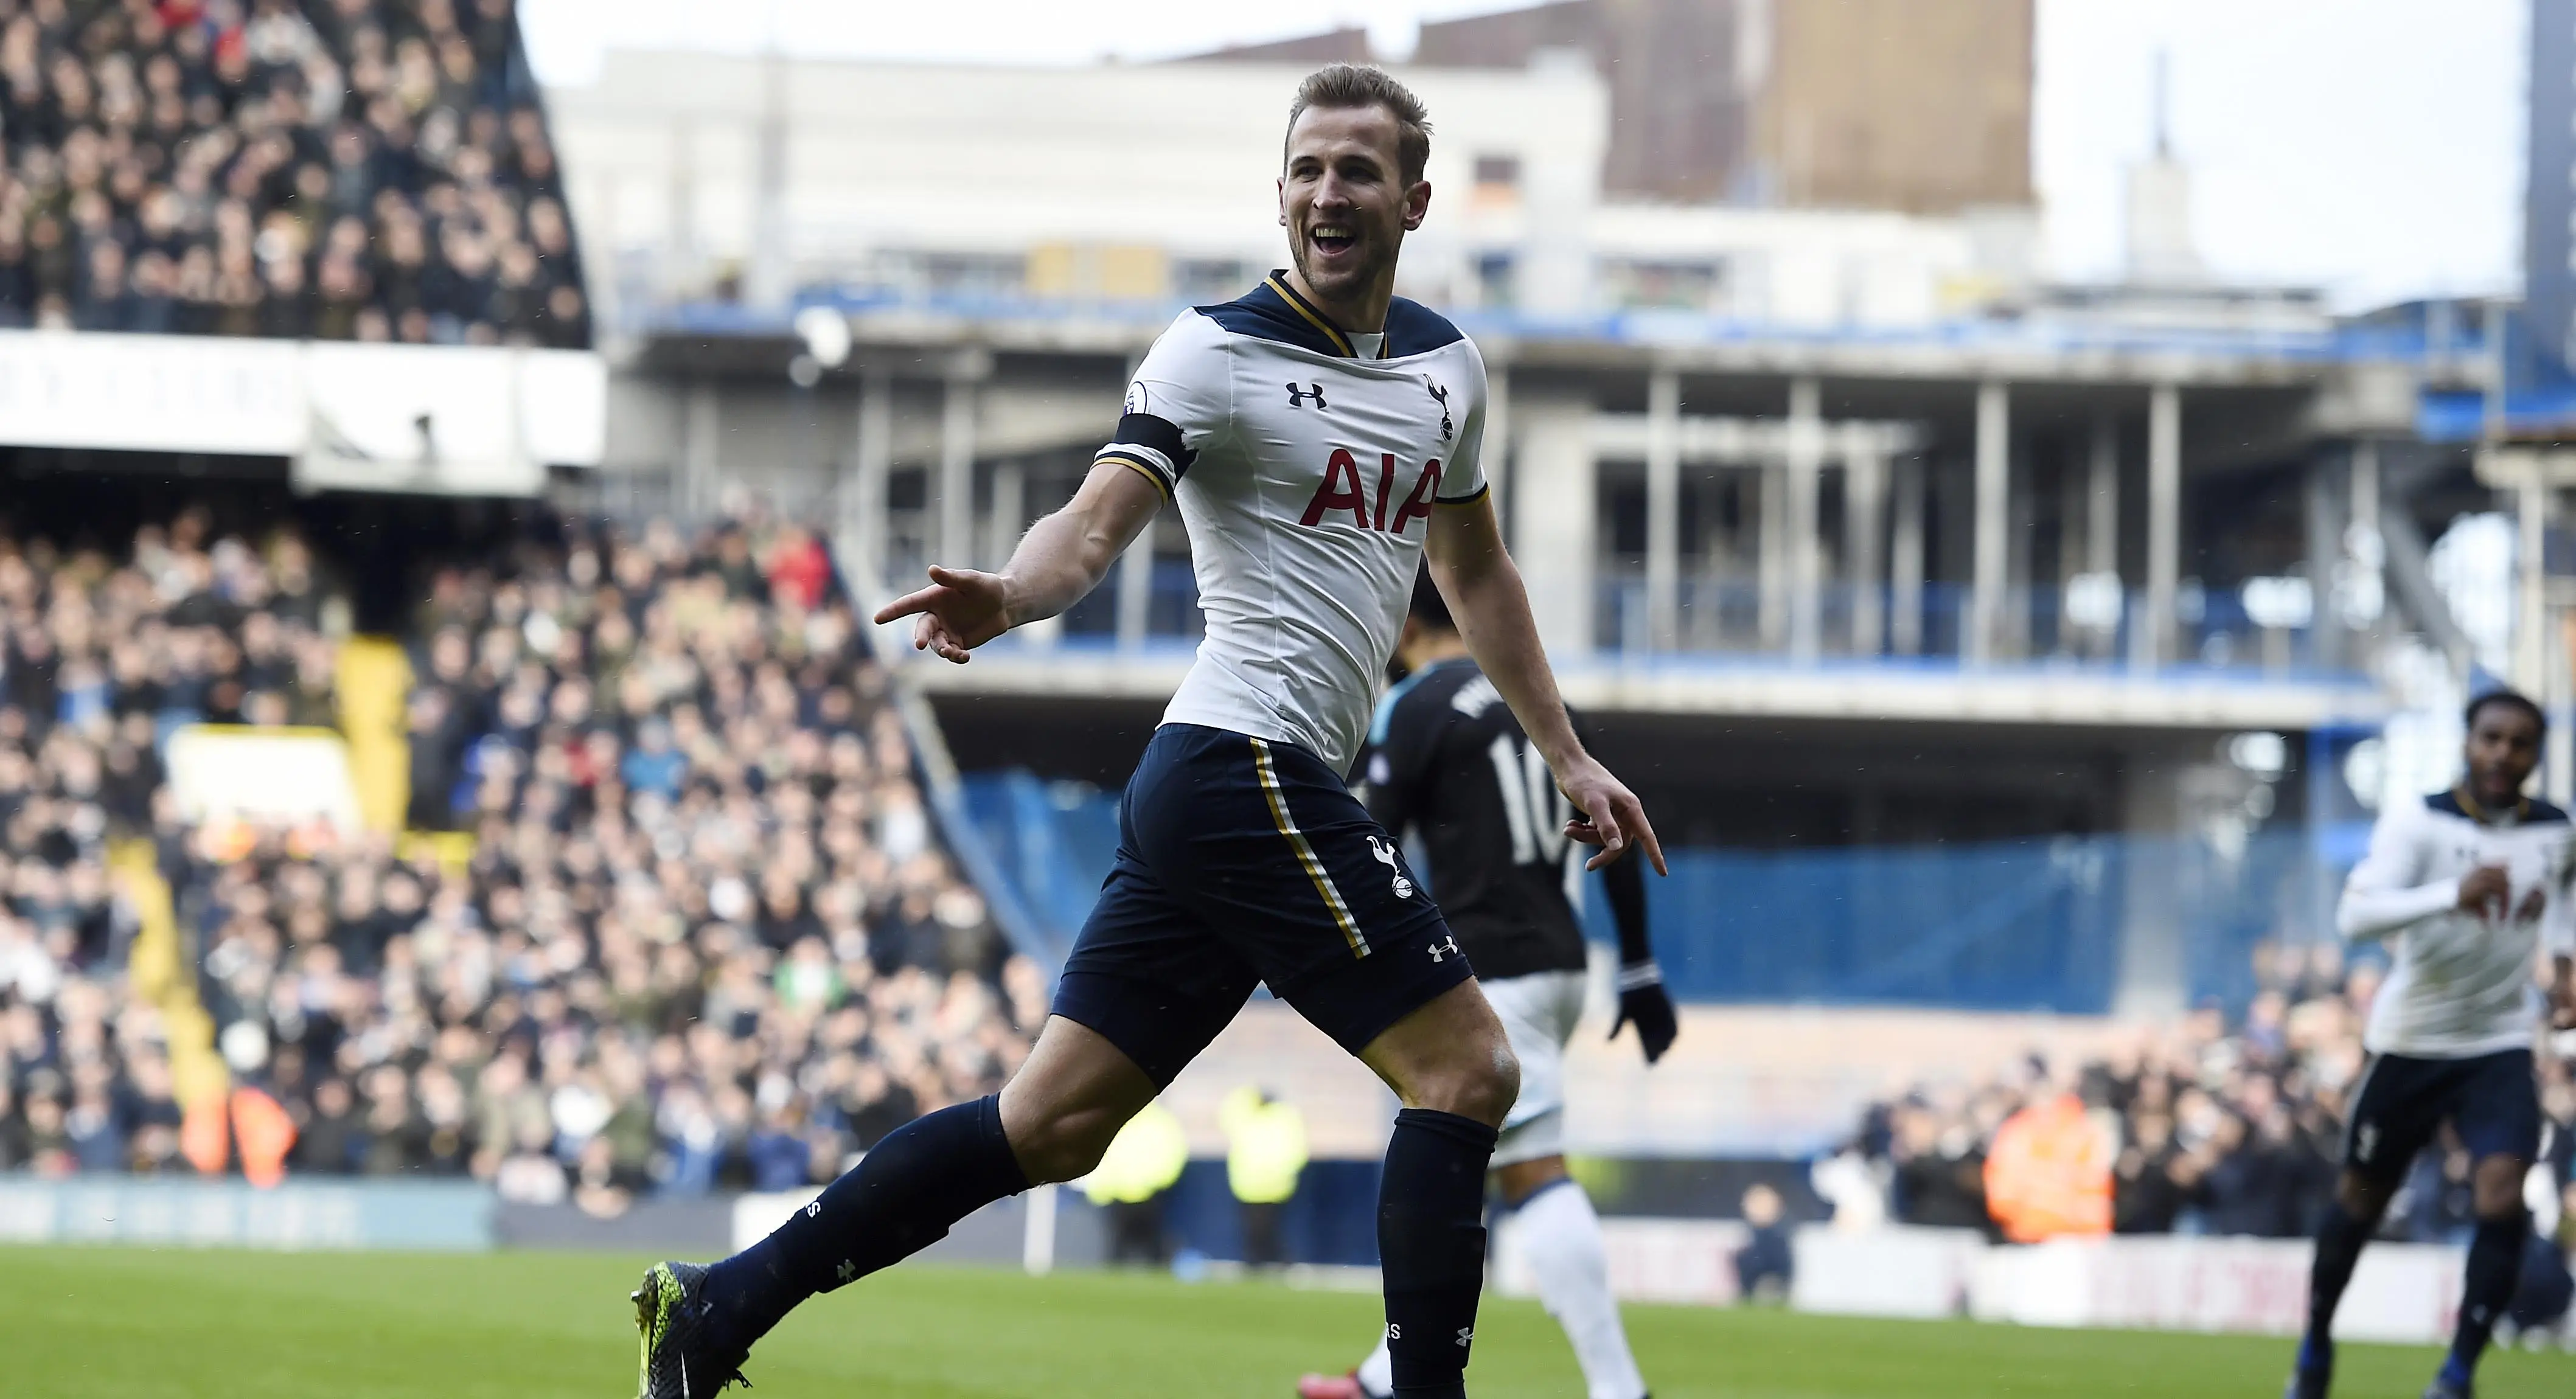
1297,398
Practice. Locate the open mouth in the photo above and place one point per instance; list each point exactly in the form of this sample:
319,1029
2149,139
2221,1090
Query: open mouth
1333,239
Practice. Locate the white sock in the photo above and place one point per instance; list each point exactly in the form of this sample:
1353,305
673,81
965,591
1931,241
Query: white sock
1562,1237
1377,1373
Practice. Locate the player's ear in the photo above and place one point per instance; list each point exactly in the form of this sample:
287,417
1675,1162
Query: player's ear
1417,204
1282,185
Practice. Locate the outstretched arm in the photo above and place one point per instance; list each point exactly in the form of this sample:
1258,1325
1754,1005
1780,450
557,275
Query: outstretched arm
1484,593
1061,558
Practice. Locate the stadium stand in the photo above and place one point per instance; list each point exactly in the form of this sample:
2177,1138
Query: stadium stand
675,917
704,931
335,170
2215,1128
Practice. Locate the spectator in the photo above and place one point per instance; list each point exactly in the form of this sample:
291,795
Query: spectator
2218,1130
331,1138
1265,1153
2048,1172
2147,1190
225,170
744,968
1143,1162
1764,1264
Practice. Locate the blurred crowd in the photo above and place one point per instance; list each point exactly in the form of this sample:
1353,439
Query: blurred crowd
693,927
327,169
2209,1126
99,659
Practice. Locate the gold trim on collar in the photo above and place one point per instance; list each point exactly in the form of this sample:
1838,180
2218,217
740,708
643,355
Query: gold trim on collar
2478,812
1287,293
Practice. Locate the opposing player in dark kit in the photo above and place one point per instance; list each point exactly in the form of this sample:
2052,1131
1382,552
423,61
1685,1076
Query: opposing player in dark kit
1320,436
1448,762
2466,886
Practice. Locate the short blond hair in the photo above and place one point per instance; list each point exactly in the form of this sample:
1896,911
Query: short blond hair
1347,85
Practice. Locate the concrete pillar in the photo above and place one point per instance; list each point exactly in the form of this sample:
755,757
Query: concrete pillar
1554,530
2152,983
1994,485
1136,590
956,503
1803,475
1771,555
1905,561
1006,516
2531,598
867,510
2325,551
2558,760
2021,531
1864,510
700,458
1663,509
1494,453
2102,499
2369,553
2164,520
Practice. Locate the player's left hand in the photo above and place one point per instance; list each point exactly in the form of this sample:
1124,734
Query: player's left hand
1642,999
1607,814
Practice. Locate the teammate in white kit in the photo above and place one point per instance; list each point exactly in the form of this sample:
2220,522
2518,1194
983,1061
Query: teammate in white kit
2466,889
1321,437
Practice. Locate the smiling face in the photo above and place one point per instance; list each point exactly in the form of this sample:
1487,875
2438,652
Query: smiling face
1346,205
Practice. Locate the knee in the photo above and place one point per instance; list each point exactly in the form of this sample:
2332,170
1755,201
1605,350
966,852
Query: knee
2361,1196
1481,1081
1058,1145
2498,1189
1064,1147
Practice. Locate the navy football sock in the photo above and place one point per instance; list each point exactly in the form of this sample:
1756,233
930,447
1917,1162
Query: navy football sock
1431,1247
925,1176
2339,1242
2495,1269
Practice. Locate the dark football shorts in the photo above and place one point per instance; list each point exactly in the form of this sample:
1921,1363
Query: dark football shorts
1241,862
2491,1100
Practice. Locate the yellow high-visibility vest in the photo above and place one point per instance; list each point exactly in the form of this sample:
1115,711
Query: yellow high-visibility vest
1143,1160
1265,1146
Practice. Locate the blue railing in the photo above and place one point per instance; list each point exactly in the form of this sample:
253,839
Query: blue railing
1722,619
1724,616
1637,326
2032,925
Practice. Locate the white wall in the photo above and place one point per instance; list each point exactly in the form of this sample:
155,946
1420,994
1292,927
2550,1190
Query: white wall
663,152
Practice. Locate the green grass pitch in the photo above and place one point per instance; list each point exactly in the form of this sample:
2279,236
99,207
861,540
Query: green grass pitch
139,1324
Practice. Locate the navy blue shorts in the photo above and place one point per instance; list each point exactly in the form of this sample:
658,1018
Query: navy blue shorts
1242,862
2491,1100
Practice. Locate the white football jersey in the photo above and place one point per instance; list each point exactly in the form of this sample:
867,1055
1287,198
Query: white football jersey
2462,984
1307,463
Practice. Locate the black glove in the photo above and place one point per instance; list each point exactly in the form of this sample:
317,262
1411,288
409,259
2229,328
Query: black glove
1642,999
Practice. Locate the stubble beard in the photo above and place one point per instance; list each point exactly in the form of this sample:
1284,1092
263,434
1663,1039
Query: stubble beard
1340,285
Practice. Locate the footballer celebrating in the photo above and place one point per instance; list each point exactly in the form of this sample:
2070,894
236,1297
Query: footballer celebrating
1448,761
2467,887
1321,438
